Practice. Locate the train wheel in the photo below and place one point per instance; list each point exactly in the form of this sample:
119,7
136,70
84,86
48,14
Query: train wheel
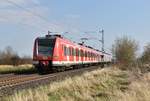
76,67
102,65
62,69
40,70
58,69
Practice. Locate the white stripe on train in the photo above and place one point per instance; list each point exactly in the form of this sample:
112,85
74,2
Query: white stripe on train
63,63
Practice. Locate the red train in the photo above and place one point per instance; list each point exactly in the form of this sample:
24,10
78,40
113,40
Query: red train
53,52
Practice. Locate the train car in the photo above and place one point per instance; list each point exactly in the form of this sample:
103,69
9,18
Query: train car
55,53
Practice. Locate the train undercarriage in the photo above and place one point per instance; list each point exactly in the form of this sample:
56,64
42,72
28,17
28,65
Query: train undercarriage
49,68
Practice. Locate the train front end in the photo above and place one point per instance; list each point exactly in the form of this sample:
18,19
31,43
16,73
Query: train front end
43,53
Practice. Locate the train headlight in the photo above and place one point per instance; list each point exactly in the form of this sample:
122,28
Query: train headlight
35,62
45,58
55,57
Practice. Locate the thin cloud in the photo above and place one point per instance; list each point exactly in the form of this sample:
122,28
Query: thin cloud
10,14
73,16
35,16
6,3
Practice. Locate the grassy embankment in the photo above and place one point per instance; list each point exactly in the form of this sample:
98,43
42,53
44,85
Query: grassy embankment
6,69
109,84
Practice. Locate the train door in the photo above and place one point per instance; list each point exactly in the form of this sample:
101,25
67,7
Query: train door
85,55
65,54
71,54
77,55
82,57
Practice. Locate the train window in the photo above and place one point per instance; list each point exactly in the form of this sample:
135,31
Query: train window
69,49
85,54
72,51
65,50
81,53
89,54
77,52
46,46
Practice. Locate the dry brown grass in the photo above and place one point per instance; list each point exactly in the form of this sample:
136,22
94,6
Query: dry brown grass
108,84
139,90
5,69
10,66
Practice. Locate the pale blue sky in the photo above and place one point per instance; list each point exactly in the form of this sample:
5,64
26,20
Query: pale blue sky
21,21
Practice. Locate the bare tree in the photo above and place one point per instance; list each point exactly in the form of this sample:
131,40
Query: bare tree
124,49
146,54
26,60
9,57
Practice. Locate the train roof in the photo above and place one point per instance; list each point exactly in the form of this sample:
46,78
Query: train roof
80,44
50,36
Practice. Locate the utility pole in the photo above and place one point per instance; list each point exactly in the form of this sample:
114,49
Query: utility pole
103,50
102,39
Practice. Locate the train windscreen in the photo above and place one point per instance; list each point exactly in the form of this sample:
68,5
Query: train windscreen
46,46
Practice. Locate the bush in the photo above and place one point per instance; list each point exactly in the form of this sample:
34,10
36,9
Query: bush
124,49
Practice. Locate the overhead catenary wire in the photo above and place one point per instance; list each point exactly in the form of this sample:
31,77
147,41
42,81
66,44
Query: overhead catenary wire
29,11
33,13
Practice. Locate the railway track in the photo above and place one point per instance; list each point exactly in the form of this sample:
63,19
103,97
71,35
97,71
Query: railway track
12,83
6,81
5,75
